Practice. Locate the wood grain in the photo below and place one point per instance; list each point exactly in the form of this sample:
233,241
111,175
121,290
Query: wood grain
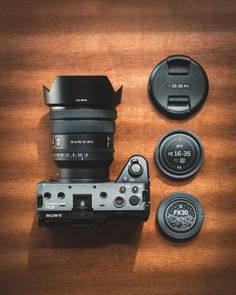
124,40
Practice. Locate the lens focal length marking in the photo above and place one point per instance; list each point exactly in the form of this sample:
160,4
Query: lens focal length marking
179,154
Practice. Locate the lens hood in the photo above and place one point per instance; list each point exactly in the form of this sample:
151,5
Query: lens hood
82,91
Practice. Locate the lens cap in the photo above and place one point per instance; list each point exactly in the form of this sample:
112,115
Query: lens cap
180,216
179,154
178,86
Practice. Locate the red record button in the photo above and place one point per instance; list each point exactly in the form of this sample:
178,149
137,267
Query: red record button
119,202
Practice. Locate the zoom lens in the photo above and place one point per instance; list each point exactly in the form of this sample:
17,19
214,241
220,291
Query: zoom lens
82,114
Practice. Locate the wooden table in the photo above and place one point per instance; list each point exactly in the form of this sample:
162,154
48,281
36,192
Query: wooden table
124,40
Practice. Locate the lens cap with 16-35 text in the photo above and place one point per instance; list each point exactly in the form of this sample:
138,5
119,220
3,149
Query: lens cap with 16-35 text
178,86
179,154
180,216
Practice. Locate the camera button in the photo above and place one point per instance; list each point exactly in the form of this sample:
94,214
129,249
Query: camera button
122,189
134,200
125,178
119,202
58,141
135,189
135,169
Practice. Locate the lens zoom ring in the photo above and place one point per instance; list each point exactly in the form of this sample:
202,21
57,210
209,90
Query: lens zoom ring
82,126
78,114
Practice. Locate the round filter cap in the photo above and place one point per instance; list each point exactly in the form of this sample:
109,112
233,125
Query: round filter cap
178,86
180,216
179,154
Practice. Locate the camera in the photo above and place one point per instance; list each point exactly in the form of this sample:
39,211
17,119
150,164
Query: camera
82,114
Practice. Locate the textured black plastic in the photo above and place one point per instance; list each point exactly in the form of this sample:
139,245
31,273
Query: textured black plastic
178,86
183,229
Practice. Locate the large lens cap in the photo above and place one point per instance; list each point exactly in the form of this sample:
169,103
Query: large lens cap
179,154
178,86
180,216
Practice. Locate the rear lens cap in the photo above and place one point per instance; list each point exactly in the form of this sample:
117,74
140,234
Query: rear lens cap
178,86
180,216
179,154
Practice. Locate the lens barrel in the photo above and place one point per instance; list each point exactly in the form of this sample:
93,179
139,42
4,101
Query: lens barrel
82,114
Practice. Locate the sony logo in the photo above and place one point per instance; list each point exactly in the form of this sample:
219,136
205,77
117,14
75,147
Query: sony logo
180,212
59,215
81,99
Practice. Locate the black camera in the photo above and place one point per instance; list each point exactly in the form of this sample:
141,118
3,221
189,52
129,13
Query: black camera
83,113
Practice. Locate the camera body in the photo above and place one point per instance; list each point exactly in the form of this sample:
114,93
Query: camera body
96,203
82,115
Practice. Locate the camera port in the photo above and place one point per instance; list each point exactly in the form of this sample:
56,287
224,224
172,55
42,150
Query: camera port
47,196
61,195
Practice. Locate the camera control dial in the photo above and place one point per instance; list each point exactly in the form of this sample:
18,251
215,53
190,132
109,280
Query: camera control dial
135,169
